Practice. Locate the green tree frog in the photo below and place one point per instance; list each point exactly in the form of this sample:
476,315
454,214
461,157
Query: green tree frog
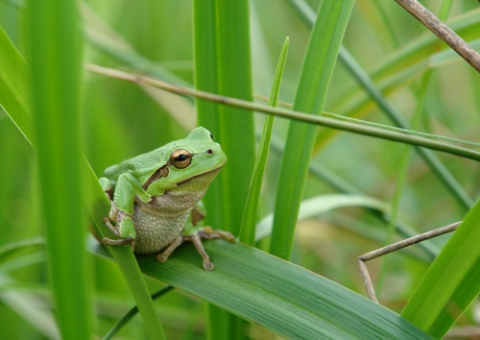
155,197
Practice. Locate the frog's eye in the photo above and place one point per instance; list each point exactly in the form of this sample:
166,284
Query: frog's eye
180,158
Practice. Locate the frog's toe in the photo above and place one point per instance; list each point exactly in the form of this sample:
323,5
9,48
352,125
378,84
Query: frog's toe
208,265
120,242
229,237
197,242
162,257
209,233
196,239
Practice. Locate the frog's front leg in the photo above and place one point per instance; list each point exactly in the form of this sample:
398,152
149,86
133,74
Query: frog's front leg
122,207
195,235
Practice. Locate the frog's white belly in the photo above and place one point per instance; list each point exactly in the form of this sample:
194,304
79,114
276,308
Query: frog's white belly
156,232
161,221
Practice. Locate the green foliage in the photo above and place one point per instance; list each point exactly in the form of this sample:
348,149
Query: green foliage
389,66
247,232
54,46
13,86
441,296
325,40
246,279
223,66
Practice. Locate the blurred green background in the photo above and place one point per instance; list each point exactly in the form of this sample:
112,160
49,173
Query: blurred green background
122,120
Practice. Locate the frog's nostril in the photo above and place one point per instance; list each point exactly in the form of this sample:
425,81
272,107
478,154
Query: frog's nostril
209,151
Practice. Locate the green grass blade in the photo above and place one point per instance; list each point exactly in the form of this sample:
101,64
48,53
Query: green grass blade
367,83
131,313
318,66
450,56
403,130
56,68
97,202
29,306
98,206
253,284
247,232
106,39
363,128
441,297
318,205
466,25
222,65
222,60
18,246
433,161
445,9
206,79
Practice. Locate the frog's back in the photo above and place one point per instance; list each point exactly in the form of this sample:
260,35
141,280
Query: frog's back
140,165
147,163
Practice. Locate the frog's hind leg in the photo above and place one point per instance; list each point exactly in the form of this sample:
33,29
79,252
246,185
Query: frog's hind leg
165,254
195,235
197,242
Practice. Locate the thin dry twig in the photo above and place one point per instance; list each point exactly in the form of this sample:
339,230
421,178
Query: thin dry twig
442,31
394,247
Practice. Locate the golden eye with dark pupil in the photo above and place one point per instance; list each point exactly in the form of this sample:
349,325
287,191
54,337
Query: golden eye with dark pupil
180,158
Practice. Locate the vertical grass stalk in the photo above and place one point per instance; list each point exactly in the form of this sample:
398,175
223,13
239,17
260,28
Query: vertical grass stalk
56,67
325,40
222,65
247,231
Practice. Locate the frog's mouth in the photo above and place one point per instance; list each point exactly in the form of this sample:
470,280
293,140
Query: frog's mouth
211,172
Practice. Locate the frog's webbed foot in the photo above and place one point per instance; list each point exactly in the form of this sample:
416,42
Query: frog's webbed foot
196,239
209,233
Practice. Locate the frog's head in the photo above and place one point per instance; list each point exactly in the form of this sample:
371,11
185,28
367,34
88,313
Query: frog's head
192,164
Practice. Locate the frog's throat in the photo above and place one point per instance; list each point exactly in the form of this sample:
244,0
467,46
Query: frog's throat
200,175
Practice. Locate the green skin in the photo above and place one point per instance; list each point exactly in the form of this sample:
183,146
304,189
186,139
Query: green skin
156,196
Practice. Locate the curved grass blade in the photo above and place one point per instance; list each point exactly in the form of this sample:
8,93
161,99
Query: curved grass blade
318,205
18,246
276,294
